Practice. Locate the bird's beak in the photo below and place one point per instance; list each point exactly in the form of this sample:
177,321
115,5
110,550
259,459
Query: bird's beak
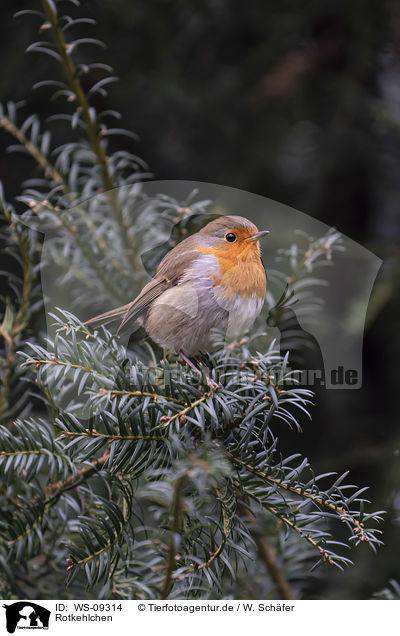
257,235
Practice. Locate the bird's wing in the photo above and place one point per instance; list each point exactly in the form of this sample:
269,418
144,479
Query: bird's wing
168,274
134,309
150,292
169,271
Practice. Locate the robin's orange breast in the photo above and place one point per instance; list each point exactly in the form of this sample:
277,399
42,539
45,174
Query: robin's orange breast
240,271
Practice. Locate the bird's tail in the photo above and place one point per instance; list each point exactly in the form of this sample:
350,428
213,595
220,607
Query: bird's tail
108,317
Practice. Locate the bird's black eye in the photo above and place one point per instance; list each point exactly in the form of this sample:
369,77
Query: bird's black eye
230,237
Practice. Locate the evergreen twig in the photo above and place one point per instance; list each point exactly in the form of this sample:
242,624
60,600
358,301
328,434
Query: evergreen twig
92,130
176,510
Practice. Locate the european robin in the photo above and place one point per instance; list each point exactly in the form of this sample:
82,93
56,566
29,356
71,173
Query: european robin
212,279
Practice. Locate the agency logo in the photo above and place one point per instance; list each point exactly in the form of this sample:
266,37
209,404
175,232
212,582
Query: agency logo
26,615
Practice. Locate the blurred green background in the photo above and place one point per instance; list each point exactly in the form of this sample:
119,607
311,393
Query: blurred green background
296,102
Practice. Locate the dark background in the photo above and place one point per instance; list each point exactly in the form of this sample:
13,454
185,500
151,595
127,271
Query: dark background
299,103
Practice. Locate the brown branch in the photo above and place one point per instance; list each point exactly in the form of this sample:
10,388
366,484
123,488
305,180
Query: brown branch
343,514
90,557
93,433
24,452
184,411
70,365
206,564
76,86
155,396
48,169
91,126
11,338
71,563
54,490
57,488
268,556
170,565
221,546
324,555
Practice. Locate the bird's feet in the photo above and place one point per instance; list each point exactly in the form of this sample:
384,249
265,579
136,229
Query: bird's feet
212,385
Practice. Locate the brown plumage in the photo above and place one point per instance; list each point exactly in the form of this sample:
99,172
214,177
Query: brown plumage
212,279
